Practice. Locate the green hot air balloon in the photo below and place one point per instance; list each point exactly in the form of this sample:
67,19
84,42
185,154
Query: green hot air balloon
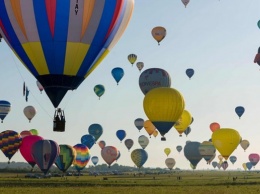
66,157
99,90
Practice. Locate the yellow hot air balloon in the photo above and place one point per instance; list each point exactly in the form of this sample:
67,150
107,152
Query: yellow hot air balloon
225,141
155,133
149,127
132,58
244,166
163,106
220,158
167,151
158,33
184,121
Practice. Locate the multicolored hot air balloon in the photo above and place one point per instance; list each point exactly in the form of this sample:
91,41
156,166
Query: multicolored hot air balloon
244,144
26,146
95,130
191,152
29,112
121,134
254,158
25,133
82,157
129,143
214,126
109,154
164,107
170,163
88,140
149,127
207,150
5,108
158,33
44,153
132,58
140,65
117,74
183,122
62,42
10,142
239,111
139,157
139,123
225,141
167,151
154,78
99,90
66,157
189,72
94,160
143,141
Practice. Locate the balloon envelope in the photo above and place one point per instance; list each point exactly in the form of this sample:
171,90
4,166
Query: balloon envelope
129,143
244,144
189,72
94,160
109,154
29,112
149,127
139,123
224,165
88,140
179,148
207,150
117,74
82,157
25,133
185,2
214,126
233,159
183,122
5,108
253,158
167,151
61,44
132,58
249,165
239,110
95,130
158,33
140,65
139,157
66,157
99,90
120,134
214,164
143,141
154,78
102,144
191,152
170,163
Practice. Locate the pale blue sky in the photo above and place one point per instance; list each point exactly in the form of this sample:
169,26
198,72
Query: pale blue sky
218,39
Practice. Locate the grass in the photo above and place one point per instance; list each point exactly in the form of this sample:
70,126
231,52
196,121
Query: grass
198,182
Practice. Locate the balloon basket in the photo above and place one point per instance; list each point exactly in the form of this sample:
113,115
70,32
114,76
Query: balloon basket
163,139
59,121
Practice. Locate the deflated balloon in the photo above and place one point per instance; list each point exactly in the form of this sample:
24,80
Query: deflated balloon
5,108
159,33
170,163
66,157
164,107
109,154
10,142
154,78
225,141
95,130
191,152
44,153
139,157
143,141
82,157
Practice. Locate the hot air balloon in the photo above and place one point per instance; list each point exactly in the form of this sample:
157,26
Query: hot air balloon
155,133
249,165
224,165
26,145
149,127
159,33
117,74
233,159
95,130
240,111
132,58
61,44
179,148
244,144
120,134
185,2
170,163
220,158
139,157
207,150
102,144
143,141
44,153
139,123
258,23
212,158
118,155
140,66
187,131
254,158
99,90
25,133
191,152
29,112
82,157
94,160
257,57
189,72
167,151
5,108
183,122
10,142
163,106
39,85
154,78
129,143
66,157
214,164
34,131
109,154
88,140
225,141
214,126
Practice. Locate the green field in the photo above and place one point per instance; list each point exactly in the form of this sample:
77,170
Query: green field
191,182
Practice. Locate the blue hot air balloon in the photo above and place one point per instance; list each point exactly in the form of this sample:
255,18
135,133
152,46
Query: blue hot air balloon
117,74
121,134
88,140
233,159
240,111
189,72
96,130
45,153
249,165
139,157
5,108
187,131
191,152
94,160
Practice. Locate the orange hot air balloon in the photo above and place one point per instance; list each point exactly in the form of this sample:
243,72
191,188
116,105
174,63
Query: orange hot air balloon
149,127
159,33
214,126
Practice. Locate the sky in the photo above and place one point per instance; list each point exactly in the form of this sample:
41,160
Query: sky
218,39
